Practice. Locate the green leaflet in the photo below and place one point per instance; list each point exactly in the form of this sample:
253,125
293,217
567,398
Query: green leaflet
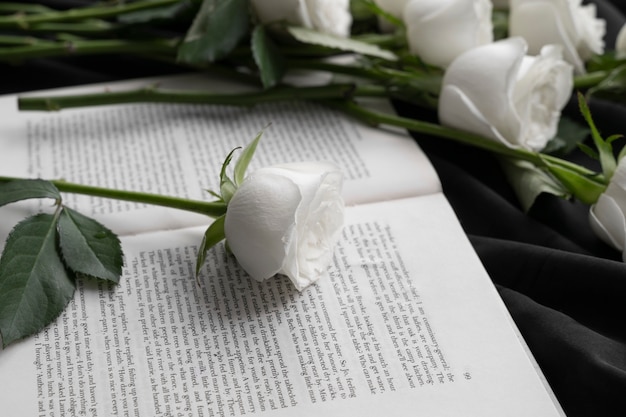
528,181
267,58
244,159
88,247
343,44
604,147
587,189
158,13
613,87
569,136
18,190
215,232
378,11
217,28
227,186
213,235
35,286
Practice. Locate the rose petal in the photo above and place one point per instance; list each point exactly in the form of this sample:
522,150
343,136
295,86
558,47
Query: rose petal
542,89
259,223
457,110
608,215
498,92
330,16
562,22
285,219
608,222
440,30
486,77
318,221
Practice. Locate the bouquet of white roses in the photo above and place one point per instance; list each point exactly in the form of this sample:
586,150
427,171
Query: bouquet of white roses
493,83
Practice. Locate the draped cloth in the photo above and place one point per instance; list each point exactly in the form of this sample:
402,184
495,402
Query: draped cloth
565,289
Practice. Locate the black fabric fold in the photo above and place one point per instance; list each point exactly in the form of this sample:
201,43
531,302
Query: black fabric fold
584,368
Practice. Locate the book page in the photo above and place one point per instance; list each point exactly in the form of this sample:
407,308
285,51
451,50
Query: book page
178,149
394,329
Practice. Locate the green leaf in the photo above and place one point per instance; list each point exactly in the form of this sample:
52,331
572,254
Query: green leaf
587,189
605,150
267,57
613,87
244,159
18,190
216,30
214,194
88,247
170,12
589,151
361,9
528,181
605,62
378,11
343,44
227,186
213,235
569,135
500,22
35,286
613,138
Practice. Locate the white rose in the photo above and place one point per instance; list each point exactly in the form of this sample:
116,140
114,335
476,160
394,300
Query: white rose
608,214
563,22
285,219
498,92
440,30
328,16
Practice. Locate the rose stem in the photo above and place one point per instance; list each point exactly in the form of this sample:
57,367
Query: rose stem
212,209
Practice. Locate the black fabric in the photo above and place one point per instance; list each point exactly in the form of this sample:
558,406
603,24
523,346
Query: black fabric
565,289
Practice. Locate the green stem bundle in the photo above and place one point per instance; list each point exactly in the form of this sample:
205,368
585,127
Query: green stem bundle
40,48
153,94
25,20
340,97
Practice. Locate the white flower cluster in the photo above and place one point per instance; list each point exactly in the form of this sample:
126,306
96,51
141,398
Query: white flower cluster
510,90
513,90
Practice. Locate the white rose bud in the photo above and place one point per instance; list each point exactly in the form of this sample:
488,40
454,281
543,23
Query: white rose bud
440,30
608,215
328,16
285,219
563,22
498,92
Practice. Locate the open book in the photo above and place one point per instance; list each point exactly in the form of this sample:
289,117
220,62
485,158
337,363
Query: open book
394,327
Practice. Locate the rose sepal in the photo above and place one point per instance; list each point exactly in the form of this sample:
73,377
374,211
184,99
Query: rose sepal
228,186
586,187
213,235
